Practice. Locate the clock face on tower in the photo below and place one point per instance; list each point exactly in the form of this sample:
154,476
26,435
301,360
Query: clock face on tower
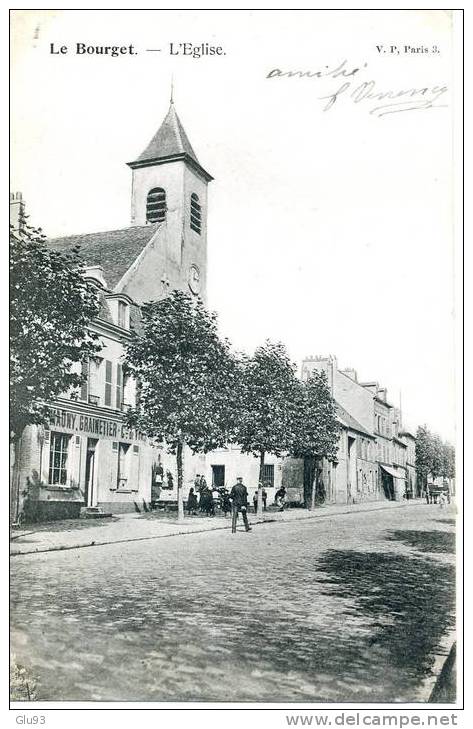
194,279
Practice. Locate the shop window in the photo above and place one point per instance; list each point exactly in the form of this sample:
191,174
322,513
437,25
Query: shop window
156,205
58,456
268,475
196,214
122,473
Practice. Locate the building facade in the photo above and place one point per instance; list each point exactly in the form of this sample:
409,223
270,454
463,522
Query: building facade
410,453
85,455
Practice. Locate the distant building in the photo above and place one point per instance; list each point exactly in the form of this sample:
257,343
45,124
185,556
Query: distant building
354,475
410,441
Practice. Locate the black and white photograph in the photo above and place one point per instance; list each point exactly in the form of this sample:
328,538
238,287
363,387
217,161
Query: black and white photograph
235,362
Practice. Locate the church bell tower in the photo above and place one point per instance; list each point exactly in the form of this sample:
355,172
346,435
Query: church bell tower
169,193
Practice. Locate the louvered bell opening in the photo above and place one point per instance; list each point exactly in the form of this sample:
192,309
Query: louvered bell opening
196,216
156,206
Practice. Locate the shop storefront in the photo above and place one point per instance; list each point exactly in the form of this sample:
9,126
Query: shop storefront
85,457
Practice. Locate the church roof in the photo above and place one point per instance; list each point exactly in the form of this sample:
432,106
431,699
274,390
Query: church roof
169,143
170,139
114,250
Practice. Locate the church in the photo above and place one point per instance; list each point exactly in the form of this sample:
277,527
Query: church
86,456
165,246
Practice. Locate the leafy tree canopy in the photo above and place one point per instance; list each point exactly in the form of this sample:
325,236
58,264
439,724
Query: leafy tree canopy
433,455
317,428
270,401
51,307
187,375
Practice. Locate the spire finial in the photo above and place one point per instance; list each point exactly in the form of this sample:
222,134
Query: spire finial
172,90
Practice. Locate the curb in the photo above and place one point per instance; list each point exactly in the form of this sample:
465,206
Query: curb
63,548
444,661
443,689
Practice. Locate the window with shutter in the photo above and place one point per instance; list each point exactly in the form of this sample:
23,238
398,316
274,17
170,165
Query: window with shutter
108,383
119,386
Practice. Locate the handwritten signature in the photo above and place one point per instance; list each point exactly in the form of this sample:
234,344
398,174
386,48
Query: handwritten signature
385,102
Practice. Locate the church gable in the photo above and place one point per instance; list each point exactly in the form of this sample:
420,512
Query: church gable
154,273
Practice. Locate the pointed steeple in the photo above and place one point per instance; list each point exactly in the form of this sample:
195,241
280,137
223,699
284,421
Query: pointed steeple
170,143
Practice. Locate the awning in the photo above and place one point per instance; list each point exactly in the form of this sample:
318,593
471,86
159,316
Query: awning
394,473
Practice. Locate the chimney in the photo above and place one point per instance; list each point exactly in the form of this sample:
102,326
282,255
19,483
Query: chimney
17,211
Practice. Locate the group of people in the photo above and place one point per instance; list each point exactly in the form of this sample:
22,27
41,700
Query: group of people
205,500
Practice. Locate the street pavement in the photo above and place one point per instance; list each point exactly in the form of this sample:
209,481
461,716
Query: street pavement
352,607
73,533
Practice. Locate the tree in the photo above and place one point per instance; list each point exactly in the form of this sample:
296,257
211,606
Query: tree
436,456
424,453
317,427
269,405
51,307
187,379
447,469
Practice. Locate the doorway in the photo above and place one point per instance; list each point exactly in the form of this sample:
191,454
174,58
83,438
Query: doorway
218,476
351,471
89,495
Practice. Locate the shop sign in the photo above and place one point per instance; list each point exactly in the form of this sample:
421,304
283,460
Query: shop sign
91,425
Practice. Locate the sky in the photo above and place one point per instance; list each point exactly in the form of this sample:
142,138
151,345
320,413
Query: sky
330,222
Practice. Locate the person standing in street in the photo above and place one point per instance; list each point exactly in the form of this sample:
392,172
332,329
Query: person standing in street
239,498
265,498
226,503
255,501
192,502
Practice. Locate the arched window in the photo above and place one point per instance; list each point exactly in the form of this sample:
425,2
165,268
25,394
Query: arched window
156,205
196,217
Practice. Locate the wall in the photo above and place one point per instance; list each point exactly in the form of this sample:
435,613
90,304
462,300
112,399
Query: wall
355,399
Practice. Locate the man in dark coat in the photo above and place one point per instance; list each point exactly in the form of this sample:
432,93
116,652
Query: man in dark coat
239,498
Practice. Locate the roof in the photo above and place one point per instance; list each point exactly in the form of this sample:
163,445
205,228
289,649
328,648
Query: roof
169,140
114,250
350,422
170,144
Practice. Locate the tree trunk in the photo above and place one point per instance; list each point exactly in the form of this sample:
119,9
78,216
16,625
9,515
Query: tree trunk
180,502
15,479
259,507
314,489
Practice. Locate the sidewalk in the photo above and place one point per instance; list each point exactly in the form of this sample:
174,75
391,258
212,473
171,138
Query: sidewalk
73,534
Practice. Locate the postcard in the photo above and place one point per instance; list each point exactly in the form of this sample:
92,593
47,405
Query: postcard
235,416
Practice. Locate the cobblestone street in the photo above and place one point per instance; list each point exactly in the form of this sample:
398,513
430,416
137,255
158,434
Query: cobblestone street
345,608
